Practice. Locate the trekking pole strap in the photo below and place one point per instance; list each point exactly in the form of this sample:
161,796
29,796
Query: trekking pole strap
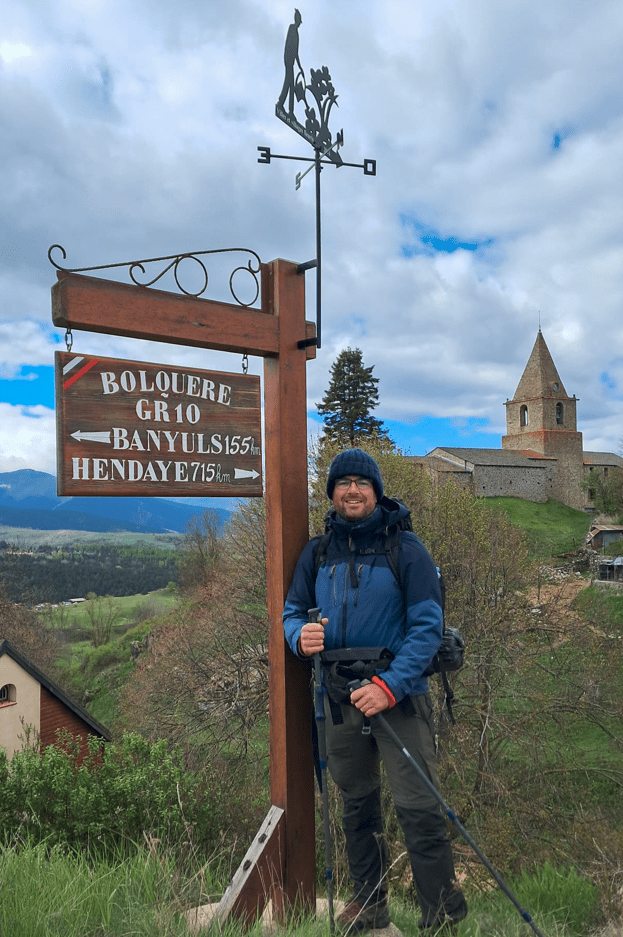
449,696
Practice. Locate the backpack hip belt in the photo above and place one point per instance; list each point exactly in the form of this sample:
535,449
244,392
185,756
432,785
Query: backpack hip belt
345,664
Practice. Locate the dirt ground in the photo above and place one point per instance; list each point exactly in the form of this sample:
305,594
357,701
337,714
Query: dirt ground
556,598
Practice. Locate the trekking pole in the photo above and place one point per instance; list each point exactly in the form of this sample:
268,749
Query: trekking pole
449,812
316,615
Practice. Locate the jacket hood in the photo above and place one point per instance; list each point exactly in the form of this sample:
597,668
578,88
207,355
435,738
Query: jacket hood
393,510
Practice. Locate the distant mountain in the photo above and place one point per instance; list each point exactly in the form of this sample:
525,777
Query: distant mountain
29,499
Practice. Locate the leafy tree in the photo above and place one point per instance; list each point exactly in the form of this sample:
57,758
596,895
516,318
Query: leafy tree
102,614
351,395
200,552
21,627
204,681
244,547
605,491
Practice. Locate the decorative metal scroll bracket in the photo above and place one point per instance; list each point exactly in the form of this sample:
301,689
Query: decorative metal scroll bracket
134,267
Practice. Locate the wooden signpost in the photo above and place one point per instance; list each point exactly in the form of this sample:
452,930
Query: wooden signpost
131,428
283,867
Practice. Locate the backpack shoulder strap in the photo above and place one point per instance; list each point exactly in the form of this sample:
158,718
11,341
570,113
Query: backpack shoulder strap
320,550
442,589
392,551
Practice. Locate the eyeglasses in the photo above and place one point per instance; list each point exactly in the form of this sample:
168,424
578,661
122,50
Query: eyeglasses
363,484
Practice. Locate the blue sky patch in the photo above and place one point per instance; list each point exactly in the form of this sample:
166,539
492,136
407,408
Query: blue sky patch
427,433
428,240
559,137
449,244
32,386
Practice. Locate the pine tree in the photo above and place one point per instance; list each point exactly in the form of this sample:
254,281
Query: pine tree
347,403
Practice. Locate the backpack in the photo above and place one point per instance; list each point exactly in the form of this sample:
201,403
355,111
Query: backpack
450,656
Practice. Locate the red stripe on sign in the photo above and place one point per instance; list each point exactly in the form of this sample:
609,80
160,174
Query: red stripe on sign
78,374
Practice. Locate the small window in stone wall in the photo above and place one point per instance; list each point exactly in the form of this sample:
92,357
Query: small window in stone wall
559,414
7,694
523,415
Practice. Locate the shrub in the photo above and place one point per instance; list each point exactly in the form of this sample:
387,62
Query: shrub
123,794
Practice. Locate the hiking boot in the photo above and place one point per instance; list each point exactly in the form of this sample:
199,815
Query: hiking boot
443,926
356,918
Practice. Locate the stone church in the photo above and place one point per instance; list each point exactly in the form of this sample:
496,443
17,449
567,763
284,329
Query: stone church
542,454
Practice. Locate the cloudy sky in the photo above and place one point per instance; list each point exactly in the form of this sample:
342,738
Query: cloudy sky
130,130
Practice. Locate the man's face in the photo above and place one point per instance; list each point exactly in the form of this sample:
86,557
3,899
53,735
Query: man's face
354,497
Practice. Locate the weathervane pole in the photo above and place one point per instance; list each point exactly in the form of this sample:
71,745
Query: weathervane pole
313,125
318,254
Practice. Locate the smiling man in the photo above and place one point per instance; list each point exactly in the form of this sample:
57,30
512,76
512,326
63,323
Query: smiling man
378,591
354,497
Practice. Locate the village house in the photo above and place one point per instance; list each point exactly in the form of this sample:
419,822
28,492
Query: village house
542,455
30,699
601,536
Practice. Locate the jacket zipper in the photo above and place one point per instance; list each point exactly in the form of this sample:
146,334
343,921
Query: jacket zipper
345,606
333,577
359,569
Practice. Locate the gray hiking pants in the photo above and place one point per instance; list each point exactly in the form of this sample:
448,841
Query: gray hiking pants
353,760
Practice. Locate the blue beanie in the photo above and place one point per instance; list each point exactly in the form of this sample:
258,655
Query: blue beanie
355,462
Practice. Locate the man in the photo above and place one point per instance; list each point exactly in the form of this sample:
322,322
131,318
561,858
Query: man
364,606
290,59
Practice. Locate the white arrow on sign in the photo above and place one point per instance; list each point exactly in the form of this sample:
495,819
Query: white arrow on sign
243,473
91,437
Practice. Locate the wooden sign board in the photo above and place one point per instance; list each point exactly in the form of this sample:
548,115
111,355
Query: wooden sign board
137,429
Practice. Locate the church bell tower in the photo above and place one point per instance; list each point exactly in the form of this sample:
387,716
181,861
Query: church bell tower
542,418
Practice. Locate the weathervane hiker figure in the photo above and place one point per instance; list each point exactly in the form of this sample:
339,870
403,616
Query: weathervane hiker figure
362,608
290,58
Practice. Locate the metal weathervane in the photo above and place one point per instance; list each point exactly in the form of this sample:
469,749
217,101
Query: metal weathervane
305,107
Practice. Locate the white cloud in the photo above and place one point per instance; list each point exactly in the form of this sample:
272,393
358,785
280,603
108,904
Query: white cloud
27,439
9,51
131,130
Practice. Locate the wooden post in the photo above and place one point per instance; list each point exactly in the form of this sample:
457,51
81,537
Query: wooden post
287,532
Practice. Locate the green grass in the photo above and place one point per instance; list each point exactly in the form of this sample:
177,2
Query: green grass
603,606
551,528
54,893
127,607
101,672
57,893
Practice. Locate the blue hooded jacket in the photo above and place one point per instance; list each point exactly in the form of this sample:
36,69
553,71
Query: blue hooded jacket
365,605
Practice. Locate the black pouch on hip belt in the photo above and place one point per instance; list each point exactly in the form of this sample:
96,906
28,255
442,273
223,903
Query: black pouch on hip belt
345,664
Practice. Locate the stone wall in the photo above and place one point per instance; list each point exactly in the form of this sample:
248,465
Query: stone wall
533,483
566,447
